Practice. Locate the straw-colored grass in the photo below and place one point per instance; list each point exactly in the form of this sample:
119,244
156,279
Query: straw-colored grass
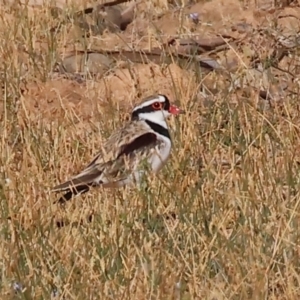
220,221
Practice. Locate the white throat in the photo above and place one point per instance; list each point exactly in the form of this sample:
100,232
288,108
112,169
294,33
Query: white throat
158,117
162,151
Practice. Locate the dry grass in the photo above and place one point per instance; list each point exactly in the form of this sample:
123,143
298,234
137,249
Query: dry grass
221,220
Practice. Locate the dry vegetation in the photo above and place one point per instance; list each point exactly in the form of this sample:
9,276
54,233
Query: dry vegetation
220,221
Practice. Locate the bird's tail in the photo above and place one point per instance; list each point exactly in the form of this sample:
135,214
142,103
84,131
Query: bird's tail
73,192
78,185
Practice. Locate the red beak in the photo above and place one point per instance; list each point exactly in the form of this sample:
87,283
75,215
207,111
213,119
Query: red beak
174,110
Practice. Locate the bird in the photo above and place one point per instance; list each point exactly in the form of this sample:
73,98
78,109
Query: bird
121,161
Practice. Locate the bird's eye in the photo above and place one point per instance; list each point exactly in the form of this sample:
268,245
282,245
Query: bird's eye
157,105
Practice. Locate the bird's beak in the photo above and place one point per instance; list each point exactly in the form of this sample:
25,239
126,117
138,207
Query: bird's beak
174,110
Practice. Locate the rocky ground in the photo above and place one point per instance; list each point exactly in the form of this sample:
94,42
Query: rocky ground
227,205
246,47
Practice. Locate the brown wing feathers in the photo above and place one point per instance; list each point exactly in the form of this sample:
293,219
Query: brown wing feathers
82,182
138,143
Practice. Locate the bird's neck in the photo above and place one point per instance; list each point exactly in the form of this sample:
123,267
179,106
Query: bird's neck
159,127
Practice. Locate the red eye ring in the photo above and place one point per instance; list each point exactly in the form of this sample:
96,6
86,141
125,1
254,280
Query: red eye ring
157,105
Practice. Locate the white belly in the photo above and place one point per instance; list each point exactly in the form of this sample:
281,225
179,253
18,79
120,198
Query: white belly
157,160
160,156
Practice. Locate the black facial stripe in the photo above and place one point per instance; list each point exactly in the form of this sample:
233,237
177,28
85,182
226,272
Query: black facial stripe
149,108
167,103
146,109
159,129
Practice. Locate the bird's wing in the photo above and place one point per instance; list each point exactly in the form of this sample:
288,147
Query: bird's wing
119,156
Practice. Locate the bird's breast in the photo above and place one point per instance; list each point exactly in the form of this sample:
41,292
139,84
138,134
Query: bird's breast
160,155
